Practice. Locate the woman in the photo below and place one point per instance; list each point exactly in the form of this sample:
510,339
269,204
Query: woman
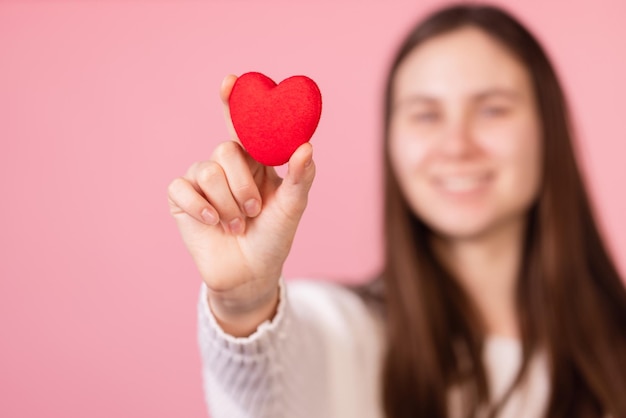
497,297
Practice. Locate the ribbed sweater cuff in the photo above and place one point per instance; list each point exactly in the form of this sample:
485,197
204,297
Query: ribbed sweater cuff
256,344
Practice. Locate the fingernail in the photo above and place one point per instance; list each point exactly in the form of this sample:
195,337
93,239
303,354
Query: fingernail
209,217
309,160
251,207
235,226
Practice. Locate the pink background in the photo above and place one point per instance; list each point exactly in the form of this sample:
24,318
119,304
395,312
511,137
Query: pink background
103,104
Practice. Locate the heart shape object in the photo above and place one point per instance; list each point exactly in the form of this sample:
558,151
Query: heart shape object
271,120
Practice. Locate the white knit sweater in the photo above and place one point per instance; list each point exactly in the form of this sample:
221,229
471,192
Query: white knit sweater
321,357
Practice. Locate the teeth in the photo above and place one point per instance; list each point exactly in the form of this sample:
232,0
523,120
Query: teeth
462,184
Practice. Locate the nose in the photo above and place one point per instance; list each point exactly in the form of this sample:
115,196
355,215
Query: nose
457,140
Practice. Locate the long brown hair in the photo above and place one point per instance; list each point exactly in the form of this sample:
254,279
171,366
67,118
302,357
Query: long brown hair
570,300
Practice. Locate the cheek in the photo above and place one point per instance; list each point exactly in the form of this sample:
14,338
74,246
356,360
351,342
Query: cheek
518,150
408,154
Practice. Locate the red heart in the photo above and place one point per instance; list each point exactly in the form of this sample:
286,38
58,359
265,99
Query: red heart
271,120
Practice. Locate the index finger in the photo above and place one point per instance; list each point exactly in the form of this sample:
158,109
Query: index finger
225,90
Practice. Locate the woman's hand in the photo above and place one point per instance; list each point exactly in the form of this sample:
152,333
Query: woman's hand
238,219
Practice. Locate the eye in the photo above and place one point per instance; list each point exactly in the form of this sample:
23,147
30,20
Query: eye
494,111
424,117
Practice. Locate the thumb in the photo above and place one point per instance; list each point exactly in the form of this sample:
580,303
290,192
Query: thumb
294,190
225,89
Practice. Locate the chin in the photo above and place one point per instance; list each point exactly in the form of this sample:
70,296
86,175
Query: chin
475,228
461,225
460,232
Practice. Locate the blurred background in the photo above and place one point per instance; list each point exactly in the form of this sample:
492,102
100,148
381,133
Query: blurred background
102,104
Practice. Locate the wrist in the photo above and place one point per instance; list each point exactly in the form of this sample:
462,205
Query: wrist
241,319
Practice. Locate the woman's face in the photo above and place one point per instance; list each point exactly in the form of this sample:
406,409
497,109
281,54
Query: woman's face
464,136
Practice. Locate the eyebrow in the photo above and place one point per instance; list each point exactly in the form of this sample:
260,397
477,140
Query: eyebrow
482,95
497,92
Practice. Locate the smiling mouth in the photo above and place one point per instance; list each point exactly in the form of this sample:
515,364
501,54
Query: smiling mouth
463,183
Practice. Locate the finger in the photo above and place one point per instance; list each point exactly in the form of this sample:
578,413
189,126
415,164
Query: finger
297,183
237,166
225,90
185,198
211,179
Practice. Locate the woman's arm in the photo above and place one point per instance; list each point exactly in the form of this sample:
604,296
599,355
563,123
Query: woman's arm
318,357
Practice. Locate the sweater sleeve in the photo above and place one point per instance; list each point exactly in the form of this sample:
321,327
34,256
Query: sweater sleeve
318,357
